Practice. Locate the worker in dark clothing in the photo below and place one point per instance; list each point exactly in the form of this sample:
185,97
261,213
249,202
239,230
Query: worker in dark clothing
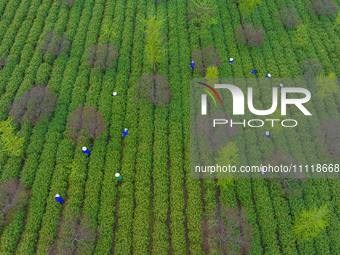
119,178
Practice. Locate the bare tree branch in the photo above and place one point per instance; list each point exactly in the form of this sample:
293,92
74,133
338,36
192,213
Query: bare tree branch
77,236
153,89
101,57
250,35
54,45
12,198
35,105
310,68
323,7
88,120
69,3
227,230
209,56
289,17
329,134
292,183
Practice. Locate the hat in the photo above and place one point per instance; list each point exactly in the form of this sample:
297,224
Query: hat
84,148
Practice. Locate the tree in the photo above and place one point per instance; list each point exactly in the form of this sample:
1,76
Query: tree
289,17
3,62
85,122
212,73
35,105
74,171
250,35
153,89
300,36
208,57
9,141
79,238
227,230
101,57
291,182
323,7
219,136
247,6
228,155
327,86
69,3
154,41
308,224
12,198
329,134
54,44
310,68
211,76
202,14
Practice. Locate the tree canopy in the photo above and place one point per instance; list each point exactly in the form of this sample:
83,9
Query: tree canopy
247,6
9,141
85,122
202,14
154,42
309,223
36,105
153,89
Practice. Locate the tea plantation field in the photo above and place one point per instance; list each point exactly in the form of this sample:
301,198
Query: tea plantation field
158,208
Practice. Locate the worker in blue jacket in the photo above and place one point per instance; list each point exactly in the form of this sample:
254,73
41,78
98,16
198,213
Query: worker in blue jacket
125,132
58,198
192,65
86,151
